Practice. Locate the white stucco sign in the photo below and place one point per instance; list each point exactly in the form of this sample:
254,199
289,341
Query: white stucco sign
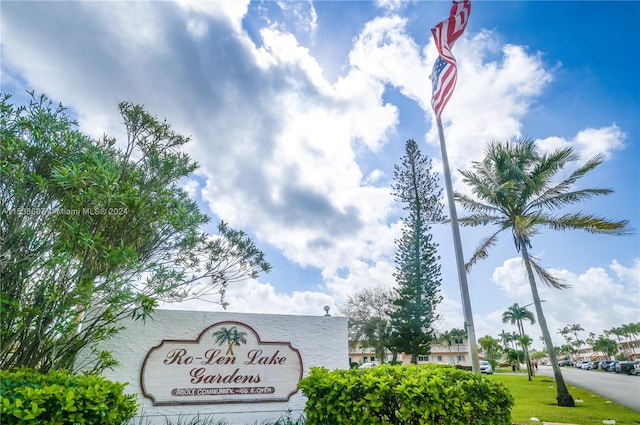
227,363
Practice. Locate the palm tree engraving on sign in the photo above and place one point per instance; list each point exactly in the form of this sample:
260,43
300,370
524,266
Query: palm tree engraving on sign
231,336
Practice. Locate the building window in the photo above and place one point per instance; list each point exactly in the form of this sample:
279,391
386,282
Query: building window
373,358
458,341
439,358
364,359
460,358
423,358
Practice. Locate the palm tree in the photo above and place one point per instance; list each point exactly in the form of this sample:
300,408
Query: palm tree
615,331
509,339
513,188
490,346
525,340
231,336
445,338
605,345
516,315
505,338
629,330
377,334
457,335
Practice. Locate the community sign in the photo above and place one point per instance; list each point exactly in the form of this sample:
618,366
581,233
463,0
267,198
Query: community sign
227,363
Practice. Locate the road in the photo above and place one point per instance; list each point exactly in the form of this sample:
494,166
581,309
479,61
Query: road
622,389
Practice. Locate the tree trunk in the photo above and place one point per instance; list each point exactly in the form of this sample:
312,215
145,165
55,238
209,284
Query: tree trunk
563,397
527,360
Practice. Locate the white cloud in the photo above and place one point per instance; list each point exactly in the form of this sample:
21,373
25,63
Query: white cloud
588,142
391,5
252,296
496,88
511,277
303,15
598,298
386,52
231,11
282,150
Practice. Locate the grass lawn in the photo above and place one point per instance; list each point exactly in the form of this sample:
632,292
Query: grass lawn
538,399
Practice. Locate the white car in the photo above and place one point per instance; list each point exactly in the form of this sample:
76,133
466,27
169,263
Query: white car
485,367
367,365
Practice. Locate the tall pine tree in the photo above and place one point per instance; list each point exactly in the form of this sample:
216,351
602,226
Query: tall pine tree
417,269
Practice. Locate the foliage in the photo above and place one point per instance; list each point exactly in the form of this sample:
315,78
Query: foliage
368,319
491,347
285,419
198,419
453,336
516,315
417,270
628,330
514,356
514,188
570,335
29,397
407,395
606,345
91,233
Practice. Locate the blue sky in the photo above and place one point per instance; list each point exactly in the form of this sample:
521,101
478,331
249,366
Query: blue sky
299,110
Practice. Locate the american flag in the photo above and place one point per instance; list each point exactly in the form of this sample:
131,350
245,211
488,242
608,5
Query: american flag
445,73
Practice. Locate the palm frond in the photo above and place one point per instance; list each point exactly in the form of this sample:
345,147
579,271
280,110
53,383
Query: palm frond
546,277
589,223
480,219
478,183
580,172
481,252
555,198
548,165
559,195
471,204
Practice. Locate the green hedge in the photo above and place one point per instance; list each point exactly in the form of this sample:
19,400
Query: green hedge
408,395
58,398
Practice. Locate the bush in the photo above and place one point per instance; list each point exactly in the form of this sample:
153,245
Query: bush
463,367
58,398
429,394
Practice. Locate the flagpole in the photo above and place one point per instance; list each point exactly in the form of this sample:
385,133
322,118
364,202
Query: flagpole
462,274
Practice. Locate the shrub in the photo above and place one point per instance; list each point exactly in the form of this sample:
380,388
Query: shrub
429,394
463,367
58,398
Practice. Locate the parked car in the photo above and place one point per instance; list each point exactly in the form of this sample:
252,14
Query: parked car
604,365
367,365
485,367
626,367
612,366
595,365
636,368
565,363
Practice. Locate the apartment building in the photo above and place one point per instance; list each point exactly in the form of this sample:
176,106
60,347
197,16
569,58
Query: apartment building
454,352
629,349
